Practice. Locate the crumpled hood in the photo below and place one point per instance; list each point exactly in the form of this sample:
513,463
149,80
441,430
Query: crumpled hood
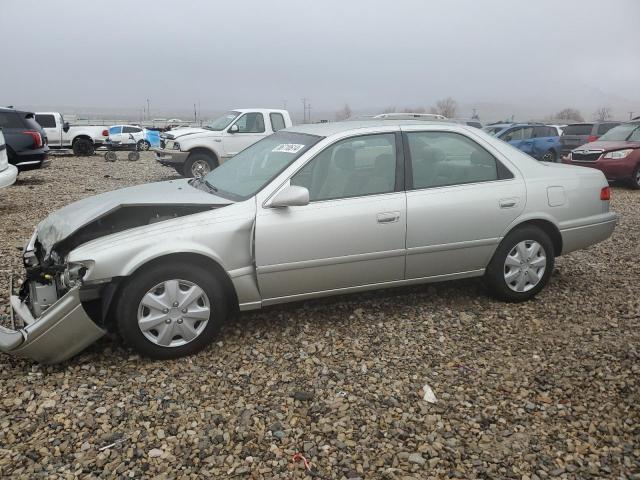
64,222
183,132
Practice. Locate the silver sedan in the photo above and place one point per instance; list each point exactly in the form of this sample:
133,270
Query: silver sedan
310,211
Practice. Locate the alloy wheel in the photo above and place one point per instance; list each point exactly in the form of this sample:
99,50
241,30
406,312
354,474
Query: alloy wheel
200,168
525,265
173,313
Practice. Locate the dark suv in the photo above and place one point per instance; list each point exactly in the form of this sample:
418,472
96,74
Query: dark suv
577,134
26,141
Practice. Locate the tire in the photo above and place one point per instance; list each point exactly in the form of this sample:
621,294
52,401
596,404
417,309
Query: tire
143,145
133,156
550,156
635,178
151,343
83,147
198,165
110,156
512,281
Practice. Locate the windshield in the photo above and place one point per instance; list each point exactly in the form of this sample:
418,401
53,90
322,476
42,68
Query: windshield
222,122
624,132
253,168
493,130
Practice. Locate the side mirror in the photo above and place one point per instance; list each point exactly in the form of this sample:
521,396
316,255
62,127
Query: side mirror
291,196
65,127
233,129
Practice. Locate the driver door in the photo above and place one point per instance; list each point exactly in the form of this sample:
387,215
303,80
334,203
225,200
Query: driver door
352,232
250,130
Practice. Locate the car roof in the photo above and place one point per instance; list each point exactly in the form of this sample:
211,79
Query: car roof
261,110
332,128
3,109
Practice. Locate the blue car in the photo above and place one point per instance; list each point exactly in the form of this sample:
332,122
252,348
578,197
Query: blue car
540,141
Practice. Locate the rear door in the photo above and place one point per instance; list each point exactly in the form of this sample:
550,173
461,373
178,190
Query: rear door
574,136
460,199
545,142
520,137
53,131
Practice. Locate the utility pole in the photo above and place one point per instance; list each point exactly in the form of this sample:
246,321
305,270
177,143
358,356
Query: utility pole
630,115
148,114
304,109
309,109
284,104
195,114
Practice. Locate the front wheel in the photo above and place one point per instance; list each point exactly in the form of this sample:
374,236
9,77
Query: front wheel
133,156
521,265
198,165
635,178
143,145
171,310
550,156
110,156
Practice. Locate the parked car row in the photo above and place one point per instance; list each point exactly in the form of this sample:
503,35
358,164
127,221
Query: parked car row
616,154
540,141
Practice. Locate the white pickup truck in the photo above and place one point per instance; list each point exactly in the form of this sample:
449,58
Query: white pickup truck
194,152
83,139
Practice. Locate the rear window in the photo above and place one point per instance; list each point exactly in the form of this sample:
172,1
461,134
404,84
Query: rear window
10,120
605,127
277,121
579,129
46,121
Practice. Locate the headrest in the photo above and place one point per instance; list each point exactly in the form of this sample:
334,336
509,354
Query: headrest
480,157
345,158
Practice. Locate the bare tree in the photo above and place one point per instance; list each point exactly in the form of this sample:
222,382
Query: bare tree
390,109
602,114
414,110
446,107
569,114
344,113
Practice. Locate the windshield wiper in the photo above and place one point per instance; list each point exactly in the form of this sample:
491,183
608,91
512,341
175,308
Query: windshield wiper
213,188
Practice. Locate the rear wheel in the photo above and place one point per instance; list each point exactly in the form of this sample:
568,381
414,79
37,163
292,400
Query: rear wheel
133,156
171,310
143,145
550,156
83,147
521,266
110,156
198,165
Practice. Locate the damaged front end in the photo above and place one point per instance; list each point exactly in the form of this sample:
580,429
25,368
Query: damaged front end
49,321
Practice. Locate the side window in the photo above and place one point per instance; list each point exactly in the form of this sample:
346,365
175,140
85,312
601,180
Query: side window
527,133
605,127
444,158
115,130
514,134
131,129
46,121
10,120
353,167
251,123
277,121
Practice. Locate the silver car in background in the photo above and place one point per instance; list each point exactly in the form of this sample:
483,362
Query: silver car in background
311,211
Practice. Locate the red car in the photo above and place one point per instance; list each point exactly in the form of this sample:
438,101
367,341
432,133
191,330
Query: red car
616,154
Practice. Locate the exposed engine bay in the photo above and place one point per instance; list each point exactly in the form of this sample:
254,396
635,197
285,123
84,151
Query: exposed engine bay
50,276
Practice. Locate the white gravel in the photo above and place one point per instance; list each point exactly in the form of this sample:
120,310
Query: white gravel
544,389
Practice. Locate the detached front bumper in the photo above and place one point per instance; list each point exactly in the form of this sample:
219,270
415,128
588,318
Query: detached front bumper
170,158
8,176
63,330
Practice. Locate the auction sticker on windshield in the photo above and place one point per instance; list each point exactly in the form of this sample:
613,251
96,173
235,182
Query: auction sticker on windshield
288,148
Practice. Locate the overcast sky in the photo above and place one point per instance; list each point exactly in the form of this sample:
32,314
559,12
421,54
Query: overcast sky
489,54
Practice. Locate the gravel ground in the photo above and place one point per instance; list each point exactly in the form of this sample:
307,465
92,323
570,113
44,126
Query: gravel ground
544,389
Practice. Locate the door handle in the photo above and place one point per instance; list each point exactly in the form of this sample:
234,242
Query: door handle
388,217
508,202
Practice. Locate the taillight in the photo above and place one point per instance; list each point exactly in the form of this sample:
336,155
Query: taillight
37,138
105,133
605,193
592,138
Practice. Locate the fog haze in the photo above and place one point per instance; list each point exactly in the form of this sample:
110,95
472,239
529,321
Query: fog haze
501,57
